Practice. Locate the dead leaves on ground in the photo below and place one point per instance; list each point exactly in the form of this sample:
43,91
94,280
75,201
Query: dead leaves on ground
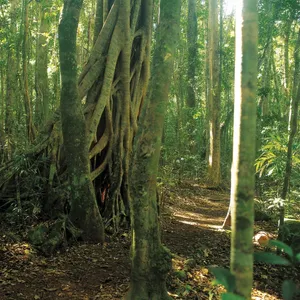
93,272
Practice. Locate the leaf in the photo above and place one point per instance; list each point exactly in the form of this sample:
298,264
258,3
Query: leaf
232,296
289,290
206,252
224,277
50,289
287,249
298,257
188,288
271,258
204,271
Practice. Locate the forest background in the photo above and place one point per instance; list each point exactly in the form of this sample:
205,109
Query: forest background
197,137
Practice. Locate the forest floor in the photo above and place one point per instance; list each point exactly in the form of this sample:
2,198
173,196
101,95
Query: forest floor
191,219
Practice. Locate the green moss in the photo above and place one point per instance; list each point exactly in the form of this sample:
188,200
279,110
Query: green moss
163,261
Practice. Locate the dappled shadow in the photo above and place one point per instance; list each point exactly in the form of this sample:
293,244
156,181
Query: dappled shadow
82,272
205,244
190,224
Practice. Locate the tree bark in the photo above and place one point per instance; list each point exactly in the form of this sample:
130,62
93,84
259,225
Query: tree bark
27,101
11,82
293,124
41,70
192,36
150,261
110,113
214,175
84,211
243,173
287,55
98,20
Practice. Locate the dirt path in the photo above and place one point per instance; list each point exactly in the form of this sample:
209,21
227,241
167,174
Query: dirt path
191,222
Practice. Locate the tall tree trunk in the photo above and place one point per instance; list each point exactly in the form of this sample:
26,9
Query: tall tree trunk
192,55
286,54
27,102
243,173
150,261
192,36
84,210
277,85
207,131
214,175
2,96
11,81
2,116
293,122
221,47
41,75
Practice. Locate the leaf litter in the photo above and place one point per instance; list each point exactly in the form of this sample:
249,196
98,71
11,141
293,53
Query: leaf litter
190,222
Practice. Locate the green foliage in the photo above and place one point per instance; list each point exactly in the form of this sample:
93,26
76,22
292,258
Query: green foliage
227,279
263,210
271,258
271,166
290,232
289,288
231,296
271,162
287,249
27,173
224,277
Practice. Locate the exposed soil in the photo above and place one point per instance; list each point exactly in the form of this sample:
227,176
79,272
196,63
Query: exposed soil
190,221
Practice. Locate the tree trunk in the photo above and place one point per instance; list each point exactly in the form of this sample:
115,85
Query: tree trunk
112,86
84,211
286,54
150,261
192,36
243,173
41,75
214,175
2,116
27,102
293,123
98,20
11,83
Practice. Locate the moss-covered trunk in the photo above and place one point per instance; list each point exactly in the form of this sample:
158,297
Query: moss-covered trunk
111,91
84,211
27,102
243,173
41,69
151,261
